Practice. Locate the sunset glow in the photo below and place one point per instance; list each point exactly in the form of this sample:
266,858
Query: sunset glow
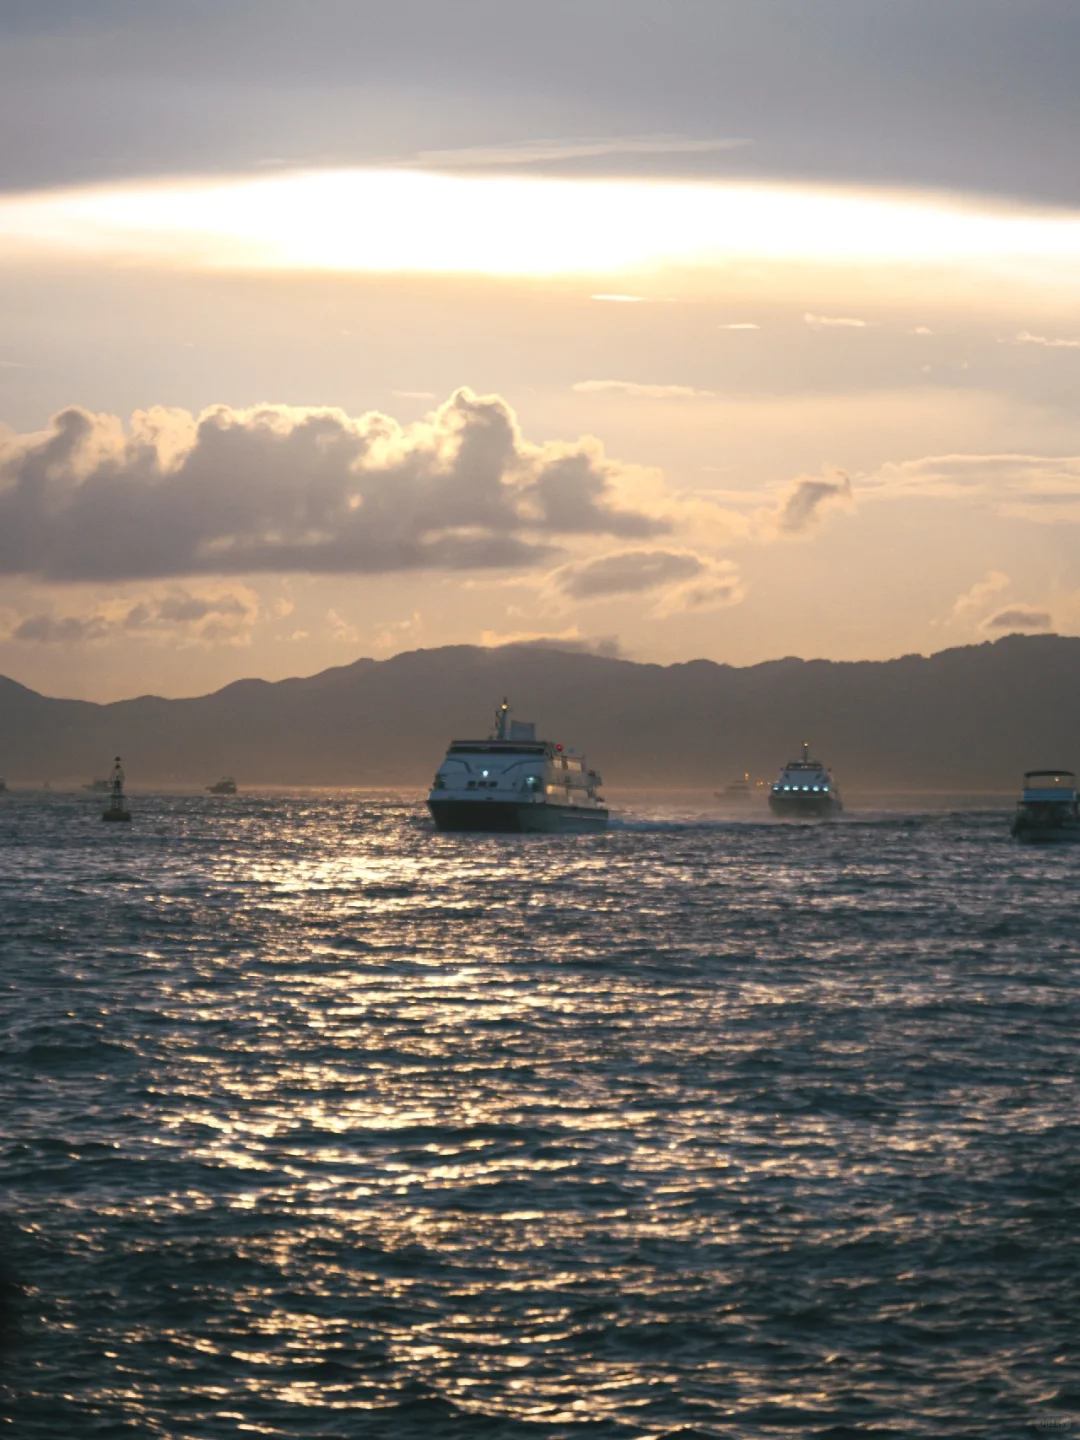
410,221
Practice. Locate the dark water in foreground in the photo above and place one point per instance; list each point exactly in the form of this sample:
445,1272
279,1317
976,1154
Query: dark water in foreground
317,1124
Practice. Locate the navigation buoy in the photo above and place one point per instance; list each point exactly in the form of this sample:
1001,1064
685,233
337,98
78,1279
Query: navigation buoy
117,800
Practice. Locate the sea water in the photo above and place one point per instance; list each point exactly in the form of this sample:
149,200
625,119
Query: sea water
317,1123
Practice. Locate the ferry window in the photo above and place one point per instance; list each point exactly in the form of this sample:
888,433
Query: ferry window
472,785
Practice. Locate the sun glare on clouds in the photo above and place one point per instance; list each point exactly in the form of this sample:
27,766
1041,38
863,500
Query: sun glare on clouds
410,221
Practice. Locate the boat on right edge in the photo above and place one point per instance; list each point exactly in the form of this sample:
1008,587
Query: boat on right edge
805,790
1047,812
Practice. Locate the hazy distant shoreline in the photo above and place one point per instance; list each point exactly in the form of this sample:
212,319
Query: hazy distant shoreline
965,722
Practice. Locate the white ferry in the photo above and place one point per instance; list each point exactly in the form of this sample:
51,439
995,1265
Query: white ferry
513,782
1048,811
805,789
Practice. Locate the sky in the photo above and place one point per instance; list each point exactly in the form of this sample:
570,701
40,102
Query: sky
680,330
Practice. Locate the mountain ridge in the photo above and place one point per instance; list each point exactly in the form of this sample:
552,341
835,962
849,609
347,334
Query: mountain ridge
966,717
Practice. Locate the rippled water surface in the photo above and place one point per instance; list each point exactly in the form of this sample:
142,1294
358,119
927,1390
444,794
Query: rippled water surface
315,1123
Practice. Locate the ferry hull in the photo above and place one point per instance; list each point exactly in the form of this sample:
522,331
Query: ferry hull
804,807
505,817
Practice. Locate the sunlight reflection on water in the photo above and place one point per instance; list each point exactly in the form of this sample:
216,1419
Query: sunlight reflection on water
317,1120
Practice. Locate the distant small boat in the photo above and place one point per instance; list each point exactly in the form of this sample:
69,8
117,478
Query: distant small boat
117,799
1048,811
738,792
99,787
225,786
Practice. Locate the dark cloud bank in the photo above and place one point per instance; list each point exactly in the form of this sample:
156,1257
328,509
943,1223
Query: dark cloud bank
966,94
290,490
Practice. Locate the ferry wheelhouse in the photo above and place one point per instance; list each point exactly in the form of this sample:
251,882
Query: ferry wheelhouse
513,782
805,789
1048,810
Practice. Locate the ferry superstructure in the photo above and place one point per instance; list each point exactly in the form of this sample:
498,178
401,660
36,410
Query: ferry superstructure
512,782
805,789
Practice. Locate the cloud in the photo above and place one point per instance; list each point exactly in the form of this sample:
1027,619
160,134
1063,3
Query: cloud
921,330
982,595
70,630
1043,489
341,630
213,615
621,299
801,507
641,392
396,634
976,607
532,152
1026,338
570,640
680,579
741,325
718,589
1019,617
288,490
626,572
833,322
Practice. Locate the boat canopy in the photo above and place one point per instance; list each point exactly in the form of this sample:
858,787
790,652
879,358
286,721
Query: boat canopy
1049,787
498,747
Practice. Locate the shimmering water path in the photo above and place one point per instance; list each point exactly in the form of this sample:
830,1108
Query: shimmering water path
315,1123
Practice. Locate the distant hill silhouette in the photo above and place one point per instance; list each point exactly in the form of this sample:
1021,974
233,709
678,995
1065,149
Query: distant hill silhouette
966,719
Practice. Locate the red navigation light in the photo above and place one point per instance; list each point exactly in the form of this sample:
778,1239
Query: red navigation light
558,747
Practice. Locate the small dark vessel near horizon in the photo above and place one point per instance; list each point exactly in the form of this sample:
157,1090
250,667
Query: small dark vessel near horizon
225,786
1048,811
738,792
99,787
117,810
805,790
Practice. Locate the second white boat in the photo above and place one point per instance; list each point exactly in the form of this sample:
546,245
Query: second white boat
805,790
